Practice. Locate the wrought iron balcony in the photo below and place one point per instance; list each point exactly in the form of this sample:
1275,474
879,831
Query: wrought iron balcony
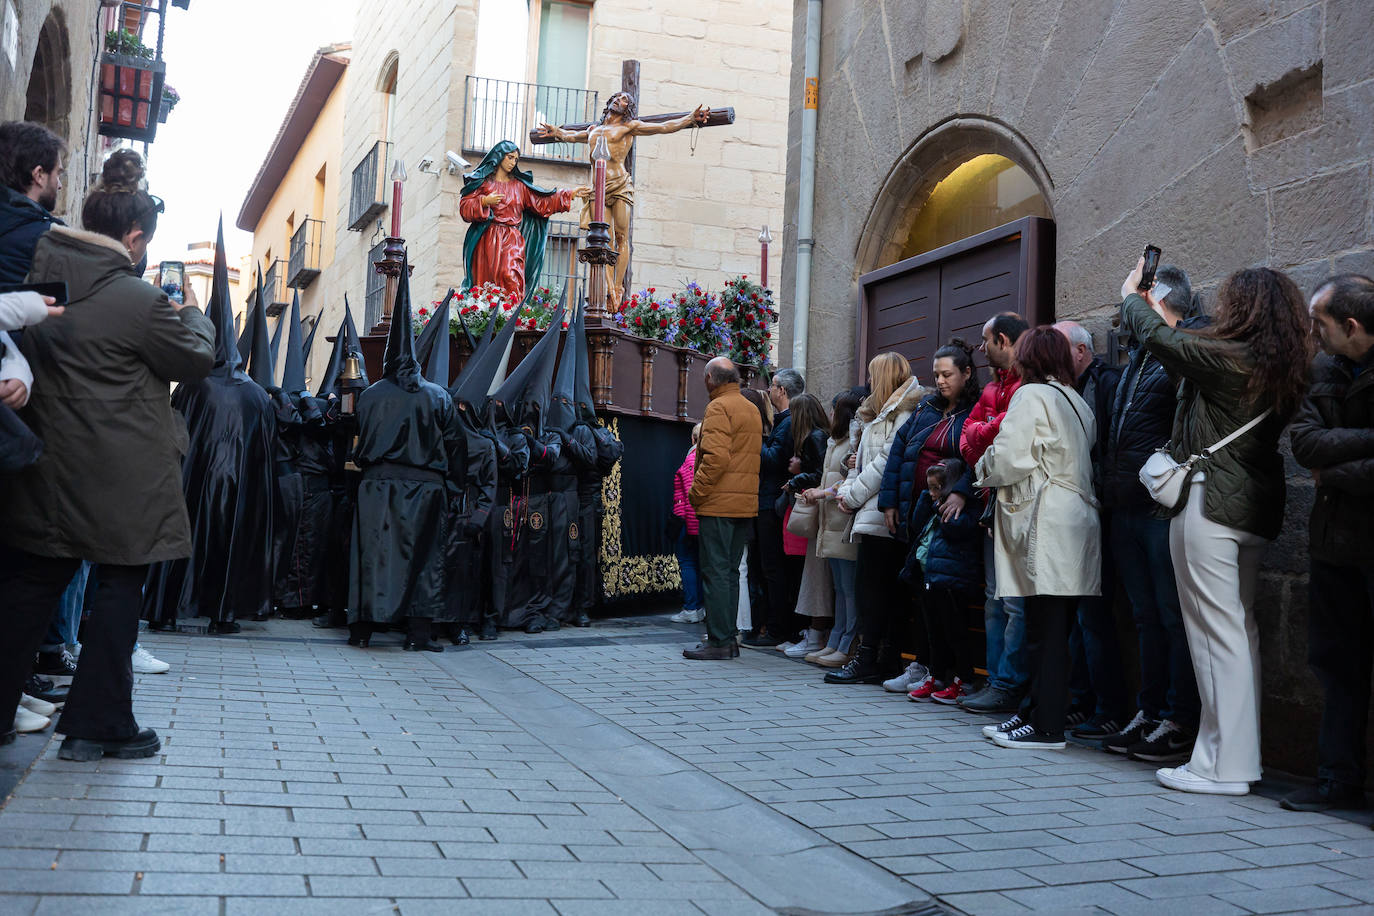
274,287
304,265
374,286
368,198
496,110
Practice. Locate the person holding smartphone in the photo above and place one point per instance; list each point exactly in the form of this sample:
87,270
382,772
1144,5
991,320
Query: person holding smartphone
1251,362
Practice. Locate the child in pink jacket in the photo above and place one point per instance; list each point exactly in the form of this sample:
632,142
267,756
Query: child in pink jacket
686,546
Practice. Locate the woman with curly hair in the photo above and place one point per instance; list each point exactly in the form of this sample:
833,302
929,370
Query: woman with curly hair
1251,362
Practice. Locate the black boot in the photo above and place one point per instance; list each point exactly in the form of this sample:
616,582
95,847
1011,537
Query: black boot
583,620
360,634
224,627
419,637
488,631
861,669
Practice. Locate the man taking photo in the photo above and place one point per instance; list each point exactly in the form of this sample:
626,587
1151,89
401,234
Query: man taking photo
1333,436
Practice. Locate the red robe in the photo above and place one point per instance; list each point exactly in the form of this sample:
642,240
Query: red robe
500,254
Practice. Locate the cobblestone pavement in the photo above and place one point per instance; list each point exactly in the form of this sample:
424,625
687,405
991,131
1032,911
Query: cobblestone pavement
599,772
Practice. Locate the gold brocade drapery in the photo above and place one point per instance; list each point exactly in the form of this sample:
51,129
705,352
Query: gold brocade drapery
623,576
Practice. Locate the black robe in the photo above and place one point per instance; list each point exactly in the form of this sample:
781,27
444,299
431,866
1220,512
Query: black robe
306,452
407,444
469,510
577,455
228,478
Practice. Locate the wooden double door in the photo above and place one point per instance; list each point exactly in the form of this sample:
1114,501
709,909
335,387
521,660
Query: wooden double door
915,306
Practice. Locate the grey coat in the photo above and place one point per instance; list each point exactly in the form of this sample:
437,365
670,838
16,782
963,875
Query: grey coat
108,487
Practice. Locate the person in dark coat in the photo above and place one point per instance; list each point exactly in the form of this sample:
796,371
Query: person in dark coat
1333,436
408,442
576,456
31,175
781,574
526,559
590,506
227,480
304,462
107,487
1141,419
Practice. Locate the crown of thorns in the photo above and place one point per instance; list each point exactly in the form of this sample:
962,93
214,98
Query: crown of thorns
631,112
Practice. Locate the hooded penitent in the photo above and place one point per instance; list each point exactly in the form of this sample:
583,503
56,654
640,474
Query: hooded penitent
228,480
432,346
409,450
523,556
589,482
254,346
505,241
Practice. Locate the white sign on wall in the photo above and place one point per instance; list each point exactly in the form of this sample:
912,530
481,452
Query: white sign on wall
11,35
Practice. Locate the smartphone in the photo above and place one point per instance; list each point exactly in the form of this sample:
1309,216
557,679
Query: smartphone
57,290
171,277
1147,277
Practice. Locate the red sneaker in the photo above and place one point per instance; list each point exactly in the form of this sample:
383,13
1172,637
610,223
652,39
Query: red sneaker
951,694
923,690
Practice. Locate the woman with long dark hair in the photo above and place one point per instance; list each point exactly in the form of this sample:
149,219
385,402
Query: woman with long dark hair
810,423
1251,362
1047,537
928,438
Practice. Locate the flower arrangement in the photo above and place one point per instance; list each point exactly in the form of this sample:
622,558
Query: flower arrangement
481,306
749,313
646,314
170,97
123,41
698,322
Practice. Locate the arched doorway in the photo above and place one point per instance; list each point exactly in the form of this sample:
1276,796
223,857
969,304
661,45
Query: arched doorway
49,96
961,230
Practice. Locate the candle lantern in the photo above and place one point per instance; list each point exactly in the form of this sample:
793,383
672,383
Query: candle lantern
764,238
398,177
598,251
600,155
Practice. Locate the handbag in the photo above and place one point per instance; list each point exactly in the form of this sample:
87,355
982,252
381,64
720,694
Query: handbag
19,447
805,519
1164,477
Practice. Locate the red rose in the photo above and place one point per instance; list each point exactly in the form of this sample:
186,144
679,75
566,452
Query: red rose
663,322
744,276
638,320
424,311
565,325
652,290
699,321
682,322
654,306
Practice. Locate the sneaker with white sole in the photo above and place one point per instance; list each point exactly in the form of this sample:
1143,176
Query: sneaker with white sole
57,666
1181,779
1003,728
36,706
914,674
813,640
28,721
689,615
1027,738
145,663
1168,743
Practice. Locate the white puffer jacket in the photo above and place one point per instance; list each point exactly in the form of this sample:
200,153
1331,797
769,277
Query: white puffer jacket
860,488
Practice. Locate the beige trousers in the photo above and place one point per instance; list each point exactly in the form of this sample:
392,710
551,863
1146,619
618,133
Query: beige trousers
1217,569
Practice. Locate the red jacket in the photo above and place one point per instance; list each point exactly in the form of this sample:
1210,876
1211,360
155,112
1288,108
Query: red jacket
986,417
682,482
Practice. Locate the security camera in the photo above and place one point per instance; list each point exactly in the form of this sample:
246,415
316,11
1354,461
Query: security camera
456,163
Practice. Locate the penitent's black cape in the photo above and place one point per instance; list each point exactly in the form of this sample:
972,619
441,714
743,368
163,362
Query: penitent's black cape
227,476
408,441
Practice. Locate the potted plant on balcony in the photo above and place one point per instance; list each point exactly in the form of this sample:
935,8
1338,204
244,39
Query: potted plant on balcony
170,97
130,87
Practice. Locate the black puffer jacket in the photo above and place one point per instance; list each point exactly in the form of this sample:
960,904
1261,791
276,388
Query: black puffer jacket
22,223
773,460
1333,433
1142,416
1097,385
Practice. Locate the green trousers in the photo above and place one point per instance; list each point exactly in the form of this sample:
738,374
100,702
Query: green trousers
721,543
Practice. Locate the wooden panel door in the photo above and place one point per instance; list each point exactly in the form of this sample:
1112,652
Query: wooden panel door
974,287
904,315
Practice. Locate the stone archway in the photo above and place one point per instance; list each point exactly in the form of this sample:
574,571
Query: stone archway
48,99
929,159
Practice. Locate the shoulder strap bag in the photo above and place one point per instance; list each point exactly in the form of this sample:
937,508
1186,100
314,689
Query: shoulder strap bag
1165,478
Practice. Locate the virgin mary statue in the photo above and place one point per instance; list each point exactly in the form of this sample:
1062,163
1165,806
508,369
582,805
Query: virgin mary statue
509,222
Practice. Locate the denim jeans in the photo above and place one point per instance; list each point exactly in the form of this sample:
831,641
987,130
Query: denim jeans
1094,643
689,564
1140,546
846,616
1004,619
67,616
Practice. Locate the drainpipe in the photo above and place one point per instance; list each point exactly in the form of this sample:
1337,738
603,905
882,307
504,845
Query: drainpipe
806,192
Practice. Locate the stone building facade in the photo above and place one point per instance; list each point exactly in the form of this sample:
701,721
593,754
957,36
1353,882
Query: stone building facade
48,52
698,212
1229,133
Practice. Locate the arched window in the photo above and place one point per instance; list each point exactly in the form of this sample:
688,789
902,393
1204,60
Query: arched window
387,86
49,96
978,194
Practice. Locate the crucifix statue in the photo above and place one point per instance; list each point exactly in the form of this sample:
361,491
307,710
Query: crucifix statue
620,124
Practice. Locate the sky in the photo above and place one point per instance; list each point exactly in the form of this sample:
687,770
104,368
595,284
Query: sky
237,64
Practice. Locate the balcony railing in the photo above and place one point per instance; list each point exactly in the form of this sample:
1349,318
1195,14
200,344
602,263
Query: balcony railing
496,110
368,198
304,265
375,287
563,275
274,287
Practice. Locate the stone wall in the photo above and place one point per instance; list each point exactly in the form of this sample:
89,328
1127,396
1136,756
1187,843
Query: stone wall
66,83
1230,133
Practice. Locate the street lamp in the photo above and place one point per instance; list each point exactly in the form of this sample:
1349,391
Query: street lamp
764,238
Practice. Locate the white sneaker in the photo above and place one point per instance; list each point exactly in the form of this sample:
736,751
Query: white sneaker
811,643
36,706
913,675
1179,778
684,616
26,721
144,663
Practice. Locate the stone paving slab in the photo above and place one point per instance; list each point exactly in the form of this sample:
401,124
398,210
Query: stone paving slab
601,773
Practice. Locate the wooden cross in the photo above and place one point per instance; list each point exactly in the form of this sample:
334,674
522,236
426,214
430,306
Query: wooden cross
629,83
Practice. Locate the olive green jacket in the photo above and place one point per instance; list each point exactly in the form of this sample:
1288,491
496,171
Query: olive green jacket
1245,485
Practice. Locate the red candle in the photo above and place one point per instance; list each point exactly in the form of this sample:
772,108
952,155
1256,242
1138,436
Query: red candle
599,183
763,272
396,209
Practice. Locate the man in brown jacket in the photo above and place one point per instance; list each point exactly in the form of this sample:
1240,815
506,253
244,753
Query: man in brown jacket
725,494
